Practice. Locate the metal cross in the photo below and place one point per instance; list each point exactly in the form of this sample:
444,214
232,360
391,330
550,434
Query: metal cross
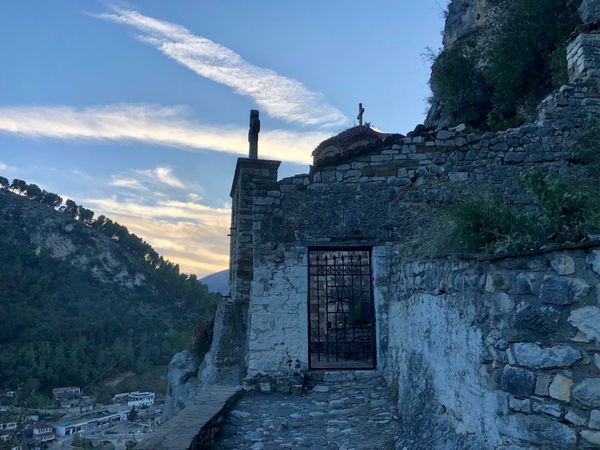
361,111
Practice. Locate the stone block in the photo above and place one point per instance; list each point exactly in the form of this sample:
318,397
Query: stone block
520,405
576,418
591,437
542,384
524,283
562,291
593,260
533,356
560,388
563,265
552,409
517,381
588,392
541,431
538,317
587,320
595,419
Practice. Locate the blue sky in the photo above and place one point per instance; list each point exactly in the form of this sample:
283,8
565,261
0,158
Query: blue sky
139,110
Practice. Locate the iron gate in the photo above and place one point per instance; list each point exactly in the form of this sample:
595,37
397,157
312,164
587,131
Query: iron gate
341,311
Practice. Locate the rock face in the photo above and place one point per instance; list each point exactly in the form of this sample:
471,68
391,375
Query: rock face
182,382
464,18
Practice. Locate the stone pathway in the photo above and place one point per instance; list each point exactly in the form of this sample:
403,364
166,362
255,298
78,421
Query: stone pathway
340,410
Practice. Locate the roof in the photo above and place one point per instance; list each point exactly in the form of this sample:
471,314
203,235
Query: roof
41,425
348,142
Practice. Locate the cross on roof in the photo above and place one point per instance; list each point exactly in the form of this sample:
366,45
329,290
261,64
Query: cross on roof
361,111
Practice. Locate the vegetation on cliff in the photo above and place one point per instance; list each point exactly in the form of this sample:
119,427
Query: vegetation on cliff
83,300
496,77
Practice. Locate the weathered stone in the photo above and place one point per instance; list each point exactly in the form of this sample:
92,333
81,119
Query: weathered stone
504,303
591,437
524,283
536,357
597,360
587,320
595,419
521,405
588,392
542,384
562,291
517,381
538,317
560,388
552,409
594,261
542,431
575,418
563,265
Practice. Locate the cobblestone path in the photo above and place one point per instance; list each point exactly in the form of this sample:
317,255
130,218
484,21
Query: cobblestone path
343,411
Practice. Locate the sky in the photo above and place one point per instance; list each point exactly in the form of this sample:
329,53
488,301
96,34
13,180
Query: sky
139,110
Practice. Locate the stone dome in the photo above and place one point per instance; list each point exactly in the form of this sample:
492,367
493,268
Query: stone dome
345,143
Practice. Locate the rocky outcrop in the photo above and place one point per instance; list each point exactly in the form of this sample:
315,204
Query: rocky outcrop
464,17
183,383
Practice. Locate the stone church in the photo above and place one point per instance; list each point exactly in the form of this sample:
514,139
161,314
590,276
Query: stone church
340,269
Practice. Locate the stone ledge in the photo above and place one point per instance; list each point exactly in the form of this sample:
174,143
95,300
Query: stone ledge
195,426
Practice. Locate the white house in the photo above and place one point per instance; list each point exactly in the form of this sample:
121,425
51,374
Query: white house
141,399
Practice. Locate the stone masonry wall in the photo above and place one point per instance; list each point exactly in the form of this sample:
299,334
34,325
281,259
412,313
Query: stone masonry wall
434,346
507,351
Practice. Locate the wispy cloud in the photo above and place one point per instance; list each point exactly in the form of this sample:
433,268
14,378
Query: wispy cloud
153,124
3,166
165,175
278,96
128,183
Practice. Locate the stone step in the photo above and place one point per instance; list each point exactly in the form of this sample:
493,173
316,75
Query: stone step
327,376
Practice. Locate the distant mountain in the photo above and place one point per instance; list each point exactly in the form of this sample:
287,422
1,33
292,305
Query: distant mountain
83,300
217,282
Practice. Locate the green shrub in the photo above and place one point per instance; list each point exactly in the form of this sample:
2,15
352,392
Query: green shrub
496,79
562,213
587,148
485,223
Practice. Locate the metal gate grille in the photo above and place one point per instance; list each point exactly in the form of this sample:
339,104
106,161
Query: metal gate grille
341,312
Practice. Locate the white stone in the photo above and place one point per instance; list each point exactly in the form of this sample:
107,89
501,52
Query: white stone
560,388
587,320
534,356
563,265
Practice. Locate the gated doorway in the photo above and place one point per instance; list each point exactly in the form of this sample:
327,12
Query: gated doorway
340,309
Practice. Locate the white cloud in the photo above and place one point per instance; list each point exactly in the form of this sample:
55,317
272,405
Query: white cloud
153,124
129,183
190,234
3,166
278,96
165,175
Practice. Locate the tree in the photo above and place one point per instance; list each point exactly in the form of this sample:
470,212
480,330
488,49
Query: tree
85,215
70,208
51,199
33,191
18,185
4,182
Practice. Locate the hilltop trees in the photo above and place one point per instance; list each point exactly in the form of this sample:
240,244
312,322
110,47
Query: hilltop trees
60,323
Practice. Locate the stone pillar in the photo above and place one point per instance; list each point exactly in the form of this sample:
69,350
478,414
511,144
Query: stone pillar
583,53
253,178
583,57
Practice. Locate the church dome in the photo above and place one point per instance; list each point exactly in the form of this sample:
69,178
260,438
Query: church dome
345,143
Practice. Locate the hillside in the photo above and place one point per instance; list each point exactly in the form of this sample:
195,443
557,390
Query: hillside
84,300
217,282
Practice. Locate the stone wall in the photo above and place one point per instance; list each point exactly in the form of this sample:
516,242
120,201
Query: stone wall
504,352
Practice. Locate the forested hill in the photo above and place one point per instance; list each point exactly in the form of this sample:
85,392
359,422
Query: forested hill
82,299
